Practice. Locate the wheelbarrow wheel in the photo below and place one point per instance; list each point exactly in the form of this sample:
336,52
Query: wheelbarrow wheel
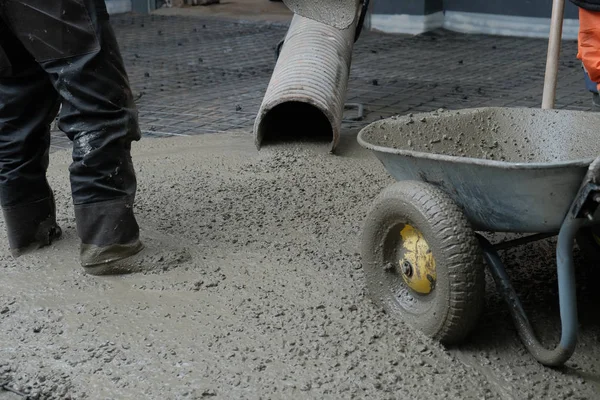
422,261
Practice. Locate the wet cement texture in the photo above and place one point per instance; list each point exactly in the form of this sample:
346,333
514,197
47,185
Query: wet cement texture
338,13
501,134
271,302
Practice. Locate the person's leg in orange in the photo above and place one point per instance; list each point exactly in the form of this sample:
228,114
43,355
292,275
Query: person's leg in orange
589,46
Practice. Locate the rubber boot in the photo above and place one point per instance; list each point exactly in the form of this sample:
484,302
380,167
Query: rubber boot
111,245
154,255
31,226
117,259
109,233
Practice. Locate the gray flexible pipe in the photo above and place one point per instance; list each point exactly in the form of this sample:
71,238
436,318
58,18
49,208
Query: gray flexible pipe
308,87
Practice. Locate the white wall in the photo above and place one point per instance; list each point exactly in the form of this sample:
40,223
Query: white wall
118,6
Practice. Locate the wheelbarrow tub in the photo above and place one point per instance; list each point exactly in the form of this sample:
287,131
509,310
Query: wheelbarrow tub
510,169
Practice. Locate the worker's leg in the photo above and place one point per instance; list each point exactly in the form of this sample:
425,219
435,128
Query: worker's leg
28,104
74,42
592,87
589,46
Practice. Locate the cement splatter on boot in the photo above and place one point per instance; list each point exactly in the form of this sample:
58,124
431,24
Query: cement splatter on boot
151,255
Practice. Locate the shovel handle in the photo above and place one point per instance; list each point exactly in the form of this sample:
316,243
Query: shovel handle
556,27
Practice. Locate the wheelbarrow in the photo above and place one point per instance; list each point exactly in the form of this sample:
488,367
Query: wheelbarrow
527,171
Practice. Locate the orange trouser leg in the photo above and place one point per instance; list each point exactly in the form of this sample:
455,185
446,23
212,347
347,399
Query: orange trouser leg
589,43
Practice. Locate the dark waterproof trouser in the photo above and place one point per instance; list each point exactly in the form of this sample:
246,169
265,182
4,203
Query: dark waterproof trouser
56,52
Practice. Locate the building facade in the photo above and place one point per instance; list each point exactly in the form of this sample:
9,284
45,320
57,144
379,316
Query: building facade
124,6
528,18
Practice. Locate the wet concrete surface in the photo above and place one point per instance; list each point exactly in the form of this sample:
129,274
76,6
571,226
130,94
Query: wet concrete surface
272,302
338,13
10,396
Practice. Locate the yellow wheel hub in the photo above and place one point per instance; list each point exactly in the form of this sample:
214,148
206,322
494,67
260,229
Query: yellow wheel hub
417,265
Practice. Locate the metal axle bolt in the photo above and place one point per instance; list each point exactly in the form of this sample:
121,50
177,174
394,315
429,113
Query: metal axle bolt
407,268
589,216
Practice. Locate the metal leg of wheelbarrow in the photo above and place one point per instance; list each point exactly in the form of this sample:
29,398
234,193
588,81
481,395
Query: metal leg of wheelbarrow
567,297
584,207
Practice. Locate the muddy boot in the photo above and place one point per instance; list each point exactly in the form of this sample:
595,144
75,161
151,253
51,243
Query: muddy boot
117,259
111,244
154,255
109,233
31,226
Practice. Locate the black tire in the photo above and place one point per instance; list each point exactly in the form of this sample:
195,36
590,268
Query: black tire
451,310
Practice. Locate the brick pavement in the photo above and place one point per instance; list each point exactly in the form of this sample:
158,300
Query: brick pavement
201,76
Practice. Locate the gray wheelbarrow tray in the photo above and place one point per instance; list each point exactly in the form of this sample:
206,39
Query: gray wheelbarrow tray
547,154
509,170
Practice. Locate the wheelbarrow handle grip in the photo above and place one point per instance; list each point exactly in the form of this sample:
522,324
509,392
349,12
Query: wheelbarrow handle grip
567,297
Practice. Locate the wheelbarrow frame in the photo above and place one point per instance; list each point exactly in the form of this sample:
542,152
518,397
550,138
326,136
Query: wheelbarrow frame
581,214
